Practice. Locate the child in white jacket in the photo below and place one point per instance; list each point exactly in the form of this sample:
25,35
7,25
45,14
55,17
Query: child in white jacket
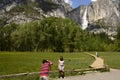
61,67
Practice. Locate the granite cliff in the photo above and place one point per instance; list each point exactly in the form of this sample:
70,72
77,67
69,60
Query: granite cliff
21,11
106,12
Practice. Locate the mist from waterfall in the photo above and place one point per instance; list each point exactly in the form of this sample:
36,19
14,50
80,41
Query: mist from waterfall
84,20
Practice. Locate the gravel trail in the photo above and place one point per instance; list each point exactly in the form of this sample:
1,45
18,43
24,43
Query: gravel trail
114,74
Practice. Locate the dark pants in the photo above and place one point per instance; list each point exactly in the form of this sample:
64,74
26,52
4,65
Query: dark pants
61,74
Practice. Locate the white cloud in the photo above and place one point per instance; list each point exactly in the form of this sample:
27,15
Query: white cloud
69,2
93,0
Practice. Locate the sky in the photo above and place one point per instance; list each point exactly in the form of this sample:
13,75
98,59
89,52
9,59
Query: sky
76,3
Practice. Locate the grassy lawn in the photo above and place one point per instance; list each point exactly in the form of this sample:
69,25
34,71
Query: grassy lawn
21,62
111,58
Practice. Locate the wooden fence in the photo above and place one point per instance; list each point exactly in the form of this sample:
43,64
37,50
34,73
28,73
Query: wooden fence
81,71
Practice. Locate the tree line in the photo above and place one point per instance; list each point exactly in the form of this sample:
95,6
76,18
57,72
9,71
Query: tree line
54,35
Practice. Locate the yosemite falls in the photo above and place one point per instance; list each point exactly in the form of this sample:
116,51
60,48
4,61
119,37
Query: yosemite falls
84,20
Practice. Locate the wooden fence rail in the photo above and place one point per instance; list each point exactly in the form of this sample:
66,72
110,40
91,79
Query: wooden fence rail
23,74
81,71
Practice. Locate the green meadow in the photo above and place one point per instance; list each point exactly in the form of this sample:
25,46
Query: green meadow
22,62
112,59
19,62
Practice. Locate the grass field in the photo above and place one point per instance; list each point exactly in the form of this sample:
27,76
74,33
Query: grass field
20,62
111,59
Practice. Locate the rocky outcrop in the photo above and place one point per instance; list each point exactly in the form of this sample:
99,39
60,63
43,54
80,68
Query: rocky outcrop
105,10
66,6
117,4
77,14
99,11
7,5
21,11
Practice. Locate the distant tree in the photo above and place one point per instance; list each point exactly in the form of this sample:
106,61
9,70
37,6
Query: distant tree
117,41
2,38
53,34
6,39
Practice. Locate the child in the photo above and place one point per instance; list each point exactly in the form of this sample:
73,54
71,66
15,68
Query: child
61,67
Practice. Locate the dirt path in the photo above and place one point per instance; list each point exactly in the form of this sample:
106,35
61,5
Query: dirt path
98,63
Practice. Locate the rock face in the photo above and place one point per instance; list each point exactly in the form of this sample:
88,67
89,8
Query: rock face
117,4
21,11
105,10
7,5
77,14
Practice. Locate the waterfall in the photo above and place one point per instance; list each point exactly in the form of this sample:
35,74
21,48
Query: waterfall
84,20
